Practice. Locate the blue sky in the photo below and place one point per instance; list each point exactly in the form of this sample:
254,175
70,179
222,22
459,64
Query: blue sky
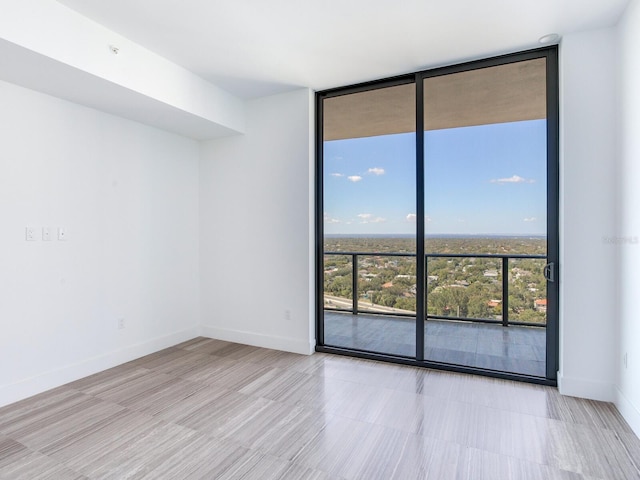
488,179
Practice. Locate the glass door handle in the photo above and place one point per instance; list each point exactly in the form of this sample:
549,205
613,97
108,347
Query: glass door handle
550,272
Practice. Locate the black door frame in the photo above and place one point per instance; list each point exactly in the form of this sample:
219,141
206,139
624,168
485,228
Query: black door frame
553,246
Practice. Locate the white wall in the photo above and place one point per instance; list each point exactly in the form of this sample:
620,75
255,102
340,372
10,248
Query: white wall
588,324
128,196
628,245
256,212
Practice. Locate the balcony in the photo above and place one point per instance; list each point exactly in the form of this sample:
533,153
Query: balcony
501,332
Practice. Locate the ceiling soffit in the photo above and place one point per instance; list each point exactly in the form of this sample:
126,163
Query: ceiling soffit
507,93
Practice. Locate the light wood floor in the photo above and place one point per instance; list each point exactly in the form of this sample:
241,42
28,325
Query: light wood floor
211,409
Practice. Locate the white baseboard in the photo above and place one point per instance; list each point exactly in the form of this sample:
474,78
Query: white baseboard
579,387
293,345
629,411
54,378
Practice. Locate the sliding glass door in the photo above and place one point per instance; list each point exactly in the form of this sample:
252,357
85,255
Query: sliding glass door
485,197
369,242
440,248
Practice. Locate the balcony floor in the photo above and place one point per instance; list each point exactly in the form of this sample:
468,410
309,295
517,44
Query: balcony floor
513,349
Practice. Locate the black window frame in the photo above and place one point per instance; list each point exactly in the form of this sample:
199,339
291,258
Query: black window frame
550,53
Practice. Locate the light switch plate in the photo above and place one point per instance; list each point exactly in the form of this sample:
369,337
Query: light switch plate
30,234
47,234
62,233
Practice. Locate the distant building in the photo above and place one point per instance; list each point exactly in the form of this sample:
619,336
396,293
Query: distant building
387,285
491,273
518,272
540,305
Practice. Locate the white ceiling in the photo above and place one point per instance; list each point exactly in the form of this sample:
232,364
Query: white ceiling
253,48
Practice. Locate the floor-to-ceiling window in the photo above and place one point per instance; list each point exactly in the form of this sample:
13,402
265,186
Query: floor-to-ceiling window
437,217
369,243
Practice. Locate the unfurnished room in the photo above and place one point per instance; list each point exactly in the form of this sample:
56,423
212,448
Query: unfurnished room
341,240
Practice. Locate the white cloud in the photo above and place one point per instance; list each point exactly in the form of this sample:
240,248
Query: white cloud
369,218
337,175
376,171
513,179
529,219
355,178
411,217
329,219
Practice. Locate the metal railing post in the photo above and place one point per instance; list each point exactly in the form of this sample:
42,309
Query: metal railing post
505,291
354,283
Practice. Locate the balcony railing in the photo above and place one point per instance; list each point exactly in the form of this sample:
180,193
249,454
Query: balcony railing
503,259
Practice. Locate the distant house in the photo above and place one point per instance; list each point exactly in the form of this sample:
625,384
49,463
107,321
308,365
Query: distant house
540,305
493,303
491,273
387,285
518,272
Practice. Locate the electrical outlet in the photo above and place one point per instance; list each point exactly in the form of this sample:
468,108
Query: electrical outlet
120,323
47,234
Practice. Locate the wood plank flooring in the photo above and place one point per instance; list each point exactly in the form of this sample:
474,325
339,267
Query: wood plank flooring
208,409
